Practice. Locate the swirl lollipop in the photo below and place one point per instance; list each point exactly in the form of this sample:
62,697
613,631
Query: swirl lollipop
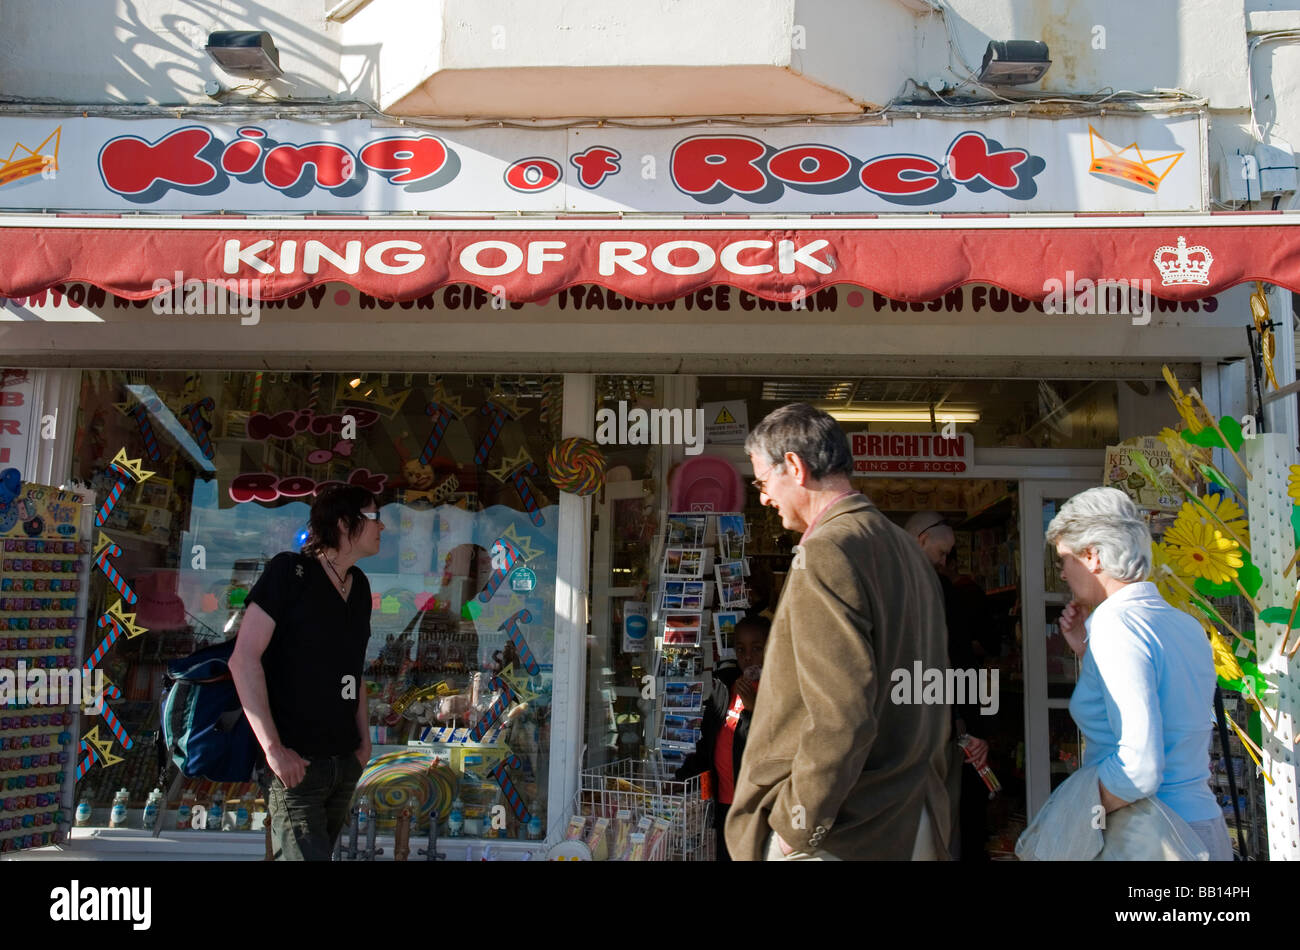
400,780
576,465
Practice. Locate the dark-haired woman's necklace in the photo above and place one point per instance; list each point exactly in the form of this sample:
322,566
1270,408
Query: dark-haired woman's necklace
342,584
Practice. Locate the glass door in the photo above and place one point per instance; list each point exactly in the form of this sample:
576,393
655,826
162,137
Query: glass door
1053,746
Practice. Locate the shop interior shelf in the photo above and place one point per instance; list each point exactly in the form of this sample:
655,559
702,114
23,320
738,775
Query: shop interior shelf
994,513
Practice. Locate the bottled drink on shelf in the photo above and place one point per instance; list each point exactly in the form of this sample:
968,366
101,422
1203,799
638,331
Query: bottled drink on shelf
185,811
117,817
151,809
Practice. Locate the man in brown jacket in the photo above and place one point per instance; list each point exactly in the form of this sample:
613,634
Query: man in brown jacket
834,768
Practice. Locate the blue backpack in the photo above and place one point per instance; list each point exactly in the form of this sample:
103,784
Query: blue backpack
204,730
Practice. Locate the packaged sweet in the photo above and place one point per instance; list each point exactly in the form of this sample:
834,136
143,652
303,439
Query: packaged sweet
597,841
656,839
636,846
577,828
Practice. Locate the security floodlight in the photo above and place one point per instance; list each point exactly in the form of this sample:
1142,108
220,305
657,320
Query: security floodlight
245,53
1014,63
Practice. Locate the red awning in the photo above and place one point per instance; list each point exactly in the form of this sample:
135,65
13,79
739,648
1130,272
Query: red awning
917,259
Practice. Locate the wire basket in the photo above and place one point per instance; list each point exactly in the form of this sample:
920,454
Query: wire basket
639,788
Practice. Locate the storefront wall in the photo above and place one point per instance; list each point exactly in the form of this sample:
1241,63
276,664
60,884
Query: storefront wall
570,713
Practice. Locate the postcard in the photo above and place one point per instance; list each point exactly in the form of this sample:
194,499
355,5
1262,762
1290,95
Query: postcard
682,628
679,663
686,529
724,633
683,694
684,562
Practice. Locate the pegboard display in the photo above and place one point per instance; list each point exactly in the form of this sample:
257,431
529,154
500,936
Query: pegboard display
44,566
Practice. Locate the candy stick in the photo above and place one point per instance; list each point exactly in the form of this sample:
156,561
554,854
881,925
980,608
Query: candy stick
516,800
257,391
511,627
200,426
116,579
494,712
315,392
114,724
114,494
92,756
497,417
499,574
526,494
441,416
146,431
106,644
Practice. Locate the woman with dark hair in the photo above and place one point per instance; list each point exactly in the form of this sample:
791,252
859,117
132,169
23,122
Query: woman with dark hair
298,666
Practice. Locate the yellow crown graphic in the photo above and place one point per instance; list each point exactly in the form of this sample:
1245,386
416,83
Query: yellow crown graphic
133,467
126,621
370,395
1113,162
24,162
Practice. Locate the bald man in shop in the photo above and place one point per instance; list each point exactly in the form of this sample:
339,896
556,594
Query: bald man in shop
965,617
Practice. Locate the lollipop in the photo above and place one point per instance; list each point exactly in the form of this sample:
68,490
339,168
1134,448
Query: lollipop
576,465
400,780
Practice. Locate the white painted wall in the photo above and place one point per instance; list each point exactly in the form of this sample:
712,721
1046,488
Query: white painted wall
150,51
538,58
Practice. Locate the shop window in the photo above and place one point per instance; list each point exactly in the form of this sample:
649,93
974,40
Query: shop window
471,519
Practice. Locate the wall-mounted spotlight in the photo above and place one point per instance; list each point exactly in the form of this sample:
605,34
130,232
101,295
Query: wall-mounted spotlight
1014,63
245,53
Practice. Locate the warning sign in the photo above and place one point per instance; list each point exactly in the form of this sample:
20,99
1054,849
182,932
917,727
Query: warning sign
726,423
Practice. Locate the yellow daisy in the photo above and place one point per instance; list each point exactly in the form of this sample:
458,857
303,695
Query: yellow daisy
1213,557
1186,529
1230,514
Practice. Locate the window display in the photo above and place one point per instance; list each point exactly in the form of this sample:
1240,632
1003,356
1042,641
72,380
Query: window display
463,587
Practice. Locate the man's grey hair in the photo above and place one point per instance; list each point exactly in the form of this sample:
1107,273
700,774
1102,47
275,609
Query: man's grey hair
1106,520
809,433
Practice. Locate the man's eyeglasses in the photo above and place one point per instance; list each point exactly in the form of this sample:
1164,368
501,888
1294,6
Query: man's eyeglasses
761,483
371,515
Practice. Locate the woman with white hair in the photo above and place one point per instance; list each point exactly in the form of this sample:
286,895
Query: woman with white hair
1146,689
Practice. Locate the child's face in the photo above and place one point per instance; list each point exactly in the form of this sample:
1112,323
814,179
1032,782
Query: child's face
749,648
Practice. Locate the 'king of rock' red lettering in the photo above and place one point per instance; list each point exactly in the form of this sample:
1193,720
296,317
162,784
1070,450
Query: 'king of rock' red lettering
130,165
969,158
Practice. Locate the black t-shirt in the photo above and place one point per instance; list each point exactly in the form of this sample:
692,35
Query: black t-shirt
318,642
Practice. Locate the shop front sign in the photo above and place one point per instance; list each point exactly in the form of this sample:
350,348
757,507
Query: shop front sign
917,453
993,164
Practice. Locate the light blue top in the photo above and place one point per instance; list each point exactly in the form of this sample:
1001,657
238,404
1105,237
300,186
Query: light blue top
1144,702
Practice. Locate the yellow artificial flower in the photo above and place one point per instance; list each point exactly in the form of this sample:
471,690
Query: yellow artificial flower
1186,529
1230,514
1225,661
1162,571
1184,456
1213,557
1183,403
